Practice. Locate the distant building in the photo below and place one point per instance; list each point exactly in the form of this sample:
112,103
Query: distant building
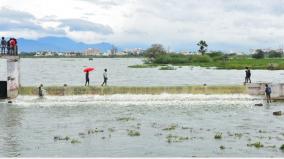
92,52
113,50
134,51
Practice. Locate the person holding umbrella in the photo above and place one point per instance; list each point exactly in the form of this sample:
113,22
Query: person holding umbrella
87,70
87,79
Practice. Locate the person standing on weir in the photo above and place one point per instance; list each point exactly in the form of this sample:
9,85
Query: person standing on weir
3,45
105,78
87,79
248,76
268,93
40,91
12,46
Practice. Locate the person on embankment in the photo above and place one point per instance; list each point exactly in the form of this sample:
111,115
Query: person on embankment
3,45
40,91
268,93
87,79
105,78
248,76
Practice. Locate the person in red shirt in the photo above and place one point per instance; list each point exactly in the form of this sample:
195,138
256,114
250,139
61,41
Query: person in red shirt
12,46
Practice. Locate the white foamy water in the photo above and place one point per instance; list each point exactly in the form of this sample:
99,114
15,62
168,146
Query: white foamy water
128,99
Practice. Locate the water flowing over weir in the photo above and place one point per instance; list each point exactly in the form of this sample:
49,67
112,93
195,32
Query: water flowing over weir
169,125
128,99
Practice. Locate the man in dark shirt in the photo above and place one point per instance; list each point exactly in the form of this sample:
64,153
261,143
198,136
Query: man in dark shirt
87,79
40,91
248,76
3,45
268,93
8,46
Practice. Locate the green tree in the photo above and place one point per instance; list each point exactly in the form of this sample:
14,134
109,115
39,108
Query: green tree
259,54
274,54
202,47
154,51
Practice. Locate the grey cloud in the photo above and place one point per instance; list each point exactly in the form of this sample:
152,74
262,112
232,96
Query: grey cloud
13,20
84,25
15,15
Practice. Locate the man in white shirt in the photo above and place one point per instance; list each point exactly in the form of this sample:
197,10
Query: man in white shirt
105,78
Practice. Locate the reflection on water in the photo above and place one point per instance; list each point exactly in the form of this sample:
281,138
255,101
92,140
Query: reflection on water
69,71
29,125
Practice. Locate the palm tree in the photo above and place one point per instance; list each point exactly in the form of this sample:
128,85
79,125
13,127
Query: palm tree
203,47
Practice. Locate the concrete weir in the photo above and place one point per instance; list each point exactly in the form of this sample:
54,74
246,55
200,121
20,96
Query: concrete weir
10,87
77,90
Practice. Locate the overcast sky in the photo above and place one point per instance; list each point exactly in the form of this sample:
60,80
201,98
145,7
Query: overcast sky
225,24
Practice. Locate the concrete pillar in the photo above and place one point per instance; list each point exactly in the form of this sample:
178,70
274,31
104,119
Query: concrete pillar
13,76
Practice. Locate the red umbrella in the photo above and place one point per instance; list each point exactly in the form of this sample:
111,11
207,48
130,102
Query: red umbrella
89,69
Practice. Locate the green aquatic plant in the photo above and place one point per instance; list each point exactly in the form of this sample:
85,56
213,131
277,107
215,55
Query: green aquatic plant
75,141
238,135
172,138
167,68
171,127
94,131
185,128
218,136
256,145
282,147
61,138
111,129
143,66
222,147
133,133
125,119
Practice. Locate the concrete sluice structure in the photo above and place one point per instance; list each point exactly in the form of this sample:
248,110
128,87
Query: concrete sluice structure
259,89
9,88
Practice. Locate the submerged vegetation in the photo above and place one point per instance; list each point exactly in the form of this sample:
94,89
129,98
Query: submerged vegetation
256,145
282,147
133,133
167,68
171,127
218,136
173,138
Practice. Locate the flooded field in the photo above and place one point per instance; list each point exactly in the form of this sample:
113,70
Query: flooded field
141,126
